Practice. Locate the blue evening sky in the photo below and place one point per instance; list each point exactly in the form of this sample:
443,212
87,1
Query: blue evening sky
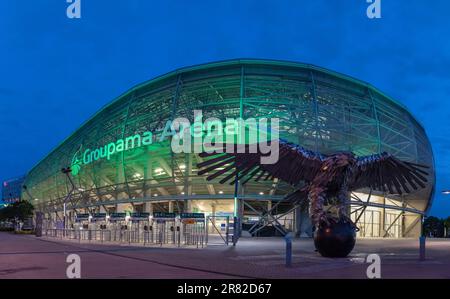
55,72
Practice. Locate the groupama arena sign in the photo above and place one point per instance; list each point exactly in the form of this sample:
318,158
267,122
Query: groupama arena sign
187,138
107,151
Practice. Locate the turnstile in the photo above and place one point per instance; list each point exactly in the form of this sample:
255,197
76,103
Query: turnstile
193,228
139,224
117,225
187,229
164,228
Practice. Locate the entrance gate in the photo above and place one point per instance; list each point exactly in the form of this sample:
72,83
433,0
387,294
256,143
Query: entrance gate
218,230
139,226
163,228
118,226
189,229
193,229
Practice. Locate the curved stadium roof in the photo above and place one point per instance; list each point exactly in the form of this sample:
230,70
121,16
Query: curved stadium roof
321,109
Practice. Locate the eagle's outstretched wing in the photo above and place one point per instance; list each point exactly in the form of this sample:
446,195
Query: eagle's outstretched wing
294,164
384,172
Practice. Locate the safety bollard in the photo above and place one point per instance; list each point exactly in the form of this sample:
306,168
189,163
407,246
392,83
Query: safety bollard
235,231
288,239
422,247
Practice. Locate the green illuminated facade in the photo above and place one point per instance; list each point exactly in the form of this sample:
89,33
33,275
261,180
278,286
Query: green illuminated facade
319,109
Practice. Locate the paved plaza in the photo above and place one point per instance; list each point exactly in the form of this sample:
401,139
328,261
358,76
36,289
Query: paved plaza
30,257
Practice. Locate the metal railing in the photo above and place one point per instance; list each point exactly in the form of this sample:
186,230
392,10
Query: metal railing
178,234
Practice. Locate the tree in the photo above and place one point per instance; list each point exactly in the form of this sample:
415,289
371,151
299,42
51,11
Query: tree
433,227
23,210
447,226
18,211
6,214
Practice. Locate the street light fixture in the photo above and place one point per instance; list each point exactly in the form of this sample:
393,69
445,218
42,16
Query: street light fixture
67,171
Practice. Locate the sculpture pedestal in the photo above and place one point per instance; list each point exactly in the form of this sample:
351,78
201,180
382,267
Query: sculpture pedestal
335,240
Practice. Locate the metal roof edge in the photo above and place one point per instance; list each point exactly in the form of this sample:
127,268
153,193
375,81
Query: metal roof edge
238,61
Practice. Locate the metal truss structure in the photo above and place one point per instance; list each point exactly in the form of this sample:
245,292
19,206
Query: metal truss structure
323,110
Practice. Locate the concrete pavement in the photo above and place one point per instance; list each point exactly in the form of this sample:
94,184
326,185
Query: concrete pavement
31,257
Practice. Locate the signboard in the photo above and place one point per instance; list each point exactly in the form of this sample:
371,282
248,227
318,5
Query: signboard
188,221
163,215
118,216
192,215
88,156
140,215
99,215
80,217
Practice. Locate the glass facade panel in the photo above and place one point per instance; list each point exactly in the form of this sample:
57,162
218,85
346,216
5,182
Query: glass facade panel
319,109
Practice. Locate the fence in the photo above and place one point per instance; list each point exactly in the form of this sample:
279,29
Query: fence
159,232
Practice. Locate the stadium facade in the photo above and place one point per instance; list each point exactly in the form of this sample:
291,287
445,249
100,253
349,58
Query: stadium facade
320,109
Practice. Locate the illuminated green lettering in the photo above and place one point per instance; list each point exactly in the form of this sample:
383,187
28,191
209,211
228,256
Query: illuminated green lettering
96,154
103,152
130,142
111,149
167,132
119,146
147,138
86,157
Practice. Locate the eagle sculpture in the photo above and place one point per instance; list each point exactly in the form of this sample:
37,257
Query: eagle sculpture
319,179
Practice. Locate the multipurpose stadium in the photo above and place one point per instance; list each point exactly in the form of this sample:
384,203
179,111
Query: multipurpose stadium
113,172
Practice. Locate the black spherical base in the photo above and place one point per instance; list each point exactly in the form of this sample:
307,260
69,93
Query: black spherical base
336,240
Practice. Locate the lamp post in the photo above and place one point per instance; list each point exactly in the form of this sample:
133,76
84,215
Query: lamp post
67,172
445,192
38,215
422,239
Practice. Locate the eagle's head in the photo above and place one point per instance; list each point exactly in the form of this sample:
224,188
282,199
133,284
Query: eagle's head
338,160
344,159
